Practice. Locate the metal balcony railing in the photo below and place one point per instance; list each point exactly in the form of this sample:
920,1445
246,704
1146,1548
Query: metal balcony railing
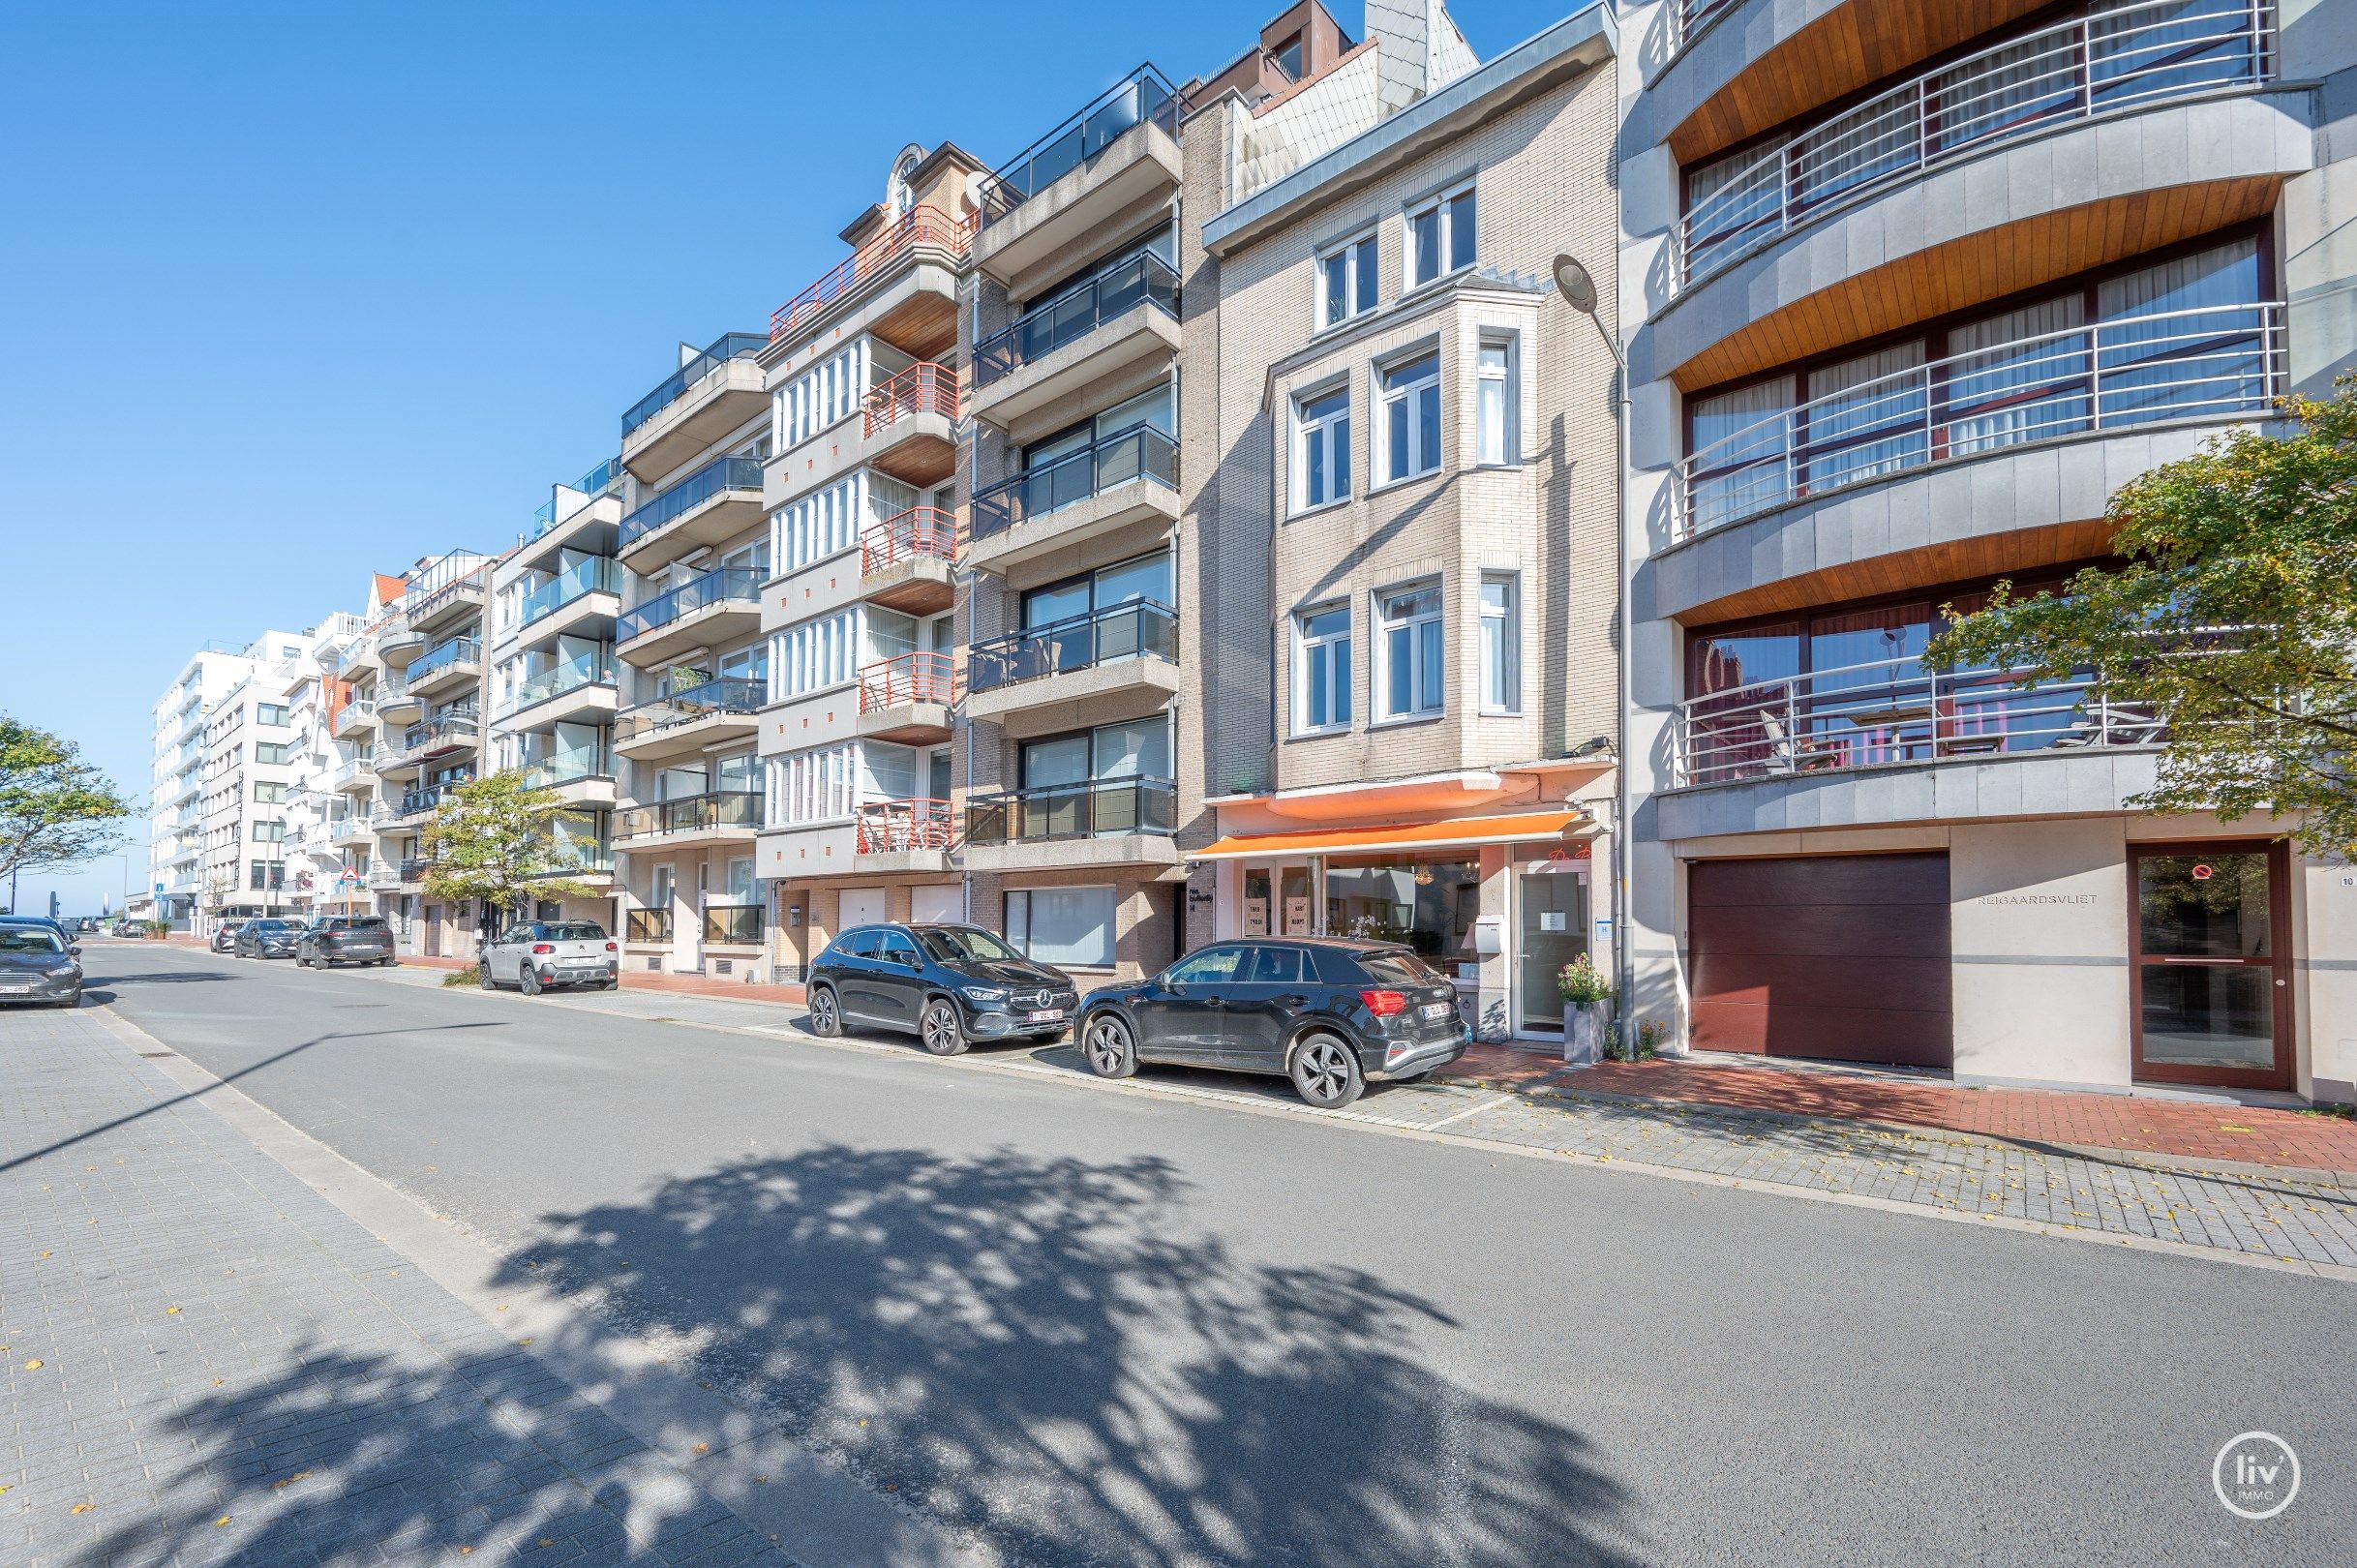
917,226
2124,57
419,803
1140,452
724,585
446,583
647,925
2223,362
715,477
887,827
1093,809
924,387
733,926
675,386
439,735
459,651
413,869
1138,628
907,677
1045,327
689,703
921,532
693,813
578,580
1143,96
568,677
383,878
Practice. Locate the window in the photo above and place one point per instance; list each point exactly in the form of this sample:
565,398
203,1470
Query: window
816,655
1321,669
270,714
820,785
1439,237
1345,281
830,390
269,832
1496,408
269,794
829,521
1321,449
272,751
1410,417
1288,56
1213,966
1501,643
265,876
1068,926
1409,649
1280,966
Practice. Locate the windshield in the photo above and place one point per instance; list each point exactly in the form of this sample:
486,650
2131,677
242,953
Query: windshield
270,926
967,944
576,931
29,939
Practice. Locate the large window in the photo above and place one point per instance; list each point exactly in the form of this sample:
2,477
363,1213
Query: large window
1409,415
1071,927
1501,643
830,519
1440,237
815,654
828,391
1321,669
1409,651
1497,404
272,751
269,794
270,714
269,832
1345,282
1321,448
819,785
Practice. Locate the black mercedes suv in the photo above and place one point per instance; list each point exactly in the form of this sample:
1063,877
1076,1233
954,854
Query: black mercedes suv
949,985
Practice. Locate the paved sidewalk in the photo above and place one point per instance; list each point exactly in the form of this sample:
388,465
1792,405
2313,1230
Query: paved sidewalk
640,979
206,1362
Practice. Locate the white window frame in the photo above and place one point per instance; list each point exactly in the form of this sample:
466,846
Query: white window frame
1432,623
1445,209
1505,422
1332,649
1501,642
1421,464
1323,431
1359,257
814,787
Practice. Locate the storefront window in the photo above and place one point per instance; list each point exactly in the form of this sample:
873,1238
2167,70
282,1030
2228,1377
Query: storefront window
1430,905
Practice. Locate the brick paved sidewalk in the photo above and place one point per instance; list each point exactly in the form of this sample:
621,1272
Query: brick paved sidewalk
206,1362
639,980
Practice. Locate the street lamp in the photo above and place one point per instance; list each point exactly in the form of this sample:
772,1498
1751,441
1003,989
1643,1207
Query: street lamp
1577,287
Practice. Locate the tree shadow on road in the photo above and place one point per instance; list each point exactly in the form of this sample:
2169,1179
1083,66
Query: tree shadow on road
1046,1349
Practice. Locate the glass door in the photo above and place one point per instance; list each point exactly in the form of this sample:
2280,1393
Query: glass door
2210,972
1554,932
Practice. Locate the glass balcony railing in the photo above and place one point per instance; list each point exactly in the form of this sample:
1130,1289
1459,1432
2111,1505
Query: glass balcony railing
440,734
1140,452
724,585
1143,96
647,925
449,655
716,477
734,925
1137,628
693,813
606,479
1144,279
570,768
687,704
568,677
578,580
1093,809
674,387
417,802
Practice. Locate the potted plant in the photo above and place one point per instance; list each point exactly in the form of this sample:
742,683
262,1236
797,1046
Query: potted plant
1587,997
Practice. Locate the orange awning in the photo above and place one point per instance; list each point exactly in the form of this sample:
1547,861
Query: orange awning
1406,835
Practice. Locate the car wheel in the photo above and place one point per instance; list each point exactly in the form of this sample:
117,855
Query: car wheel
483,974
1106,1043
940,1033
826,1016
384,963
527,980
1326,1072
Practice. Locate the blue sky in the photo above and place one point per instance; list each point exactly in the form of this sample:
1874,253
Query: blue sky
297,292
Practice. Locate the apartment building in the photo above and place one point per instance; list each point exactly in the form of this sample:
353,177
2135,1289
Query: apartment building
1909,292
248,776
692,538
314,854
428,653
859,619
176,817
1399,453
361,699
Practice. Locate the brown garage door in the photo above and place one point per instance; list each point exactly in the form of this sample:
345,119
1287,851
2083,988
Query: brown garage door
1839,957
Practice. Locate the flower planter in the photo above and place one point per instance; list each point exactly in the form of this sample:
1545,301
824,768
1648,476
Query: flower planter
1584,1026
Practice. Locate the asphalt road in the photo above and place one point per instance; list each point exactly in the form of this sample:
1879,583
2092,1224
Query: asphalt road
1126,1329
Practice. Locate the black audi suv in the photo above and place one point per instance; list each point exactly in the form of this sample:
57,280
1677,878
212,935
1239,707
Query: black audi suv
949,985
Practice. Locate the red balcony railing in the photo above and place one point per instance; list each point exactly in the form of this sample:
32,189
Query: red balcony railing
909,678
923,387
920,225
921,532
886,825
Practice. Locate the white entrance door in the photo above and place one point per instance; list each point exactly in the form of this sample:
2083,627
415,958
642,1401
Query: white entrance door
858,906
945,903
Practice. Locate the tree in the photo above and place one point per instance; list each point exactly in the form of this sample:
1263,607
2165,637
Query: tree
493,839
55,810
2232,620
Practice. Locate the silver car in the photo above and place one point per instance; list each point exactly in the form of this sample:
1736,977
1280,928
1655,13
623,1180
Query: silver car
39,967
536,955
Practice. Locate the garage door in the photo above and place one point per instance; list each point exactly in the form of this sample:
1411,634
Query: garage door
1838,956
943,904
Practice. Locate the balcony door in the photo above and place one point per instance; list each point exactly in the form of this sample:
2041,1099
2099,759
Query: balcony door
2210,965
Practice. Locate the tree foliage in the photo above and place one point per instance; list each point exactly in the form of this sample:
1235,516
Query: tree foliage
2233,620
55,810
493,839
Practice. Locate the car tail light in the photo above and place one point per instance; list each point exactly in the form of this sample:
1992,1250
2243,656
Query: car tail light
1384,1004
610,948
542,947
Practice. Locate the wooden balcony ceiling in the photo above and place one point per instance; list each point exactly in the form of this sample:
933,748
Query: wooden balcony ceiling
1845,49
923,462
1955,560
1976,268
925,325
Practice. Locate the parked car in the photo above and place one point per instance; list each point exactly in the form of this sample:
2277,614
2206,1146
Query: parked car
41,920
948,985
344,939
130,928
268,939
39,966
225,939
534,956
1334,1016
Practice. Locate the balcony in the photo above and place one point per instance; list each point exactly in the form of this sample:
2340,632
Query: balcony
578,688
447,667
349,827
591,862
718,608
579,778
1119,662
357,776
1112,161
581,601
711,506
721,816
690,719
919,234
647,925
451,603
420,743
717,390
420,803
1117,332
908,562
582,515
383,878
1098,823
397,701
908,698
413,869
909,424
732,925
1119,495
397,643
355,719
893,838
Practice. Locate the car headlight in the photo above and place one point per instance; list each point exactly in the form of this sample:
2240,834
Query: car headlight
983,993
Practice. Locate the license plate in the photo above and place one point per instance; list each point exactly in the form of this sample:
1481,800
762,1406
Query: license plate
15,990
1048,1015
1437,1009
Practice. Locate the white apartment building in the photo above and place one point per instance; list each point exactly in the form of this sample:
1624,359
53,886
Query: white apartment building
176,844
249,770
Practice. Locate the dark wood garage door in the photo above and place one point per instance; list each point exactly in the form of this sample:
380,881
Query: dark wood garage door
1839,957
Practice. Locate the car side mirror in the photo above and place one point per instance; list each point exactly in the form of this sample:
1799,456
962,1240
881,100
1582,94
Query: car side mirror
912,961
73,947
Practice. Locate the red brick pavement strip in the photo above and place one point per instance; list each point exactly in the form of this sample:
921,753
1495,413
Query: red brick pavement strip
681,984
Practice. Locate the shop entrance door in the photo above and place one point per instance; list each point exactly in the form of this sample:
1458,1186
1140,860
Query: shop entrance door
2209,966
1554,932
